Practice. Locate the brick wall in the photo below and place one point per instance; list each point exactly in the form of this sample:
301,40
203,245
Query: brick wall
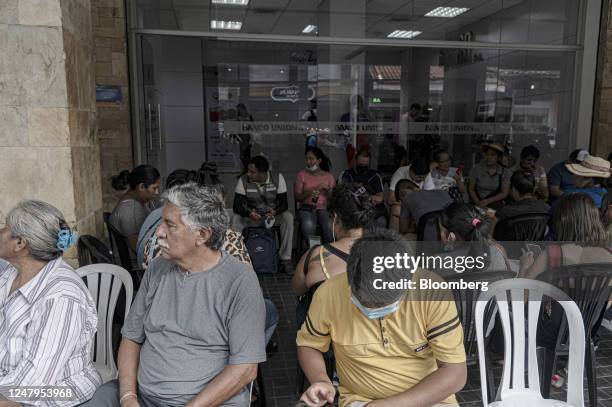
113,122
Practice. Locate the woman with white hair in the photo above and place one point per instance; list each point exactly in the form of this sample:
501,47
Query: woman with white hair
47,316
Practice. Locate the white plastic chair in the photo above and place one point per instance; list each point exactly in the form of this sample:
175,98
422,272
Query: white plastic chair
517,393
104,282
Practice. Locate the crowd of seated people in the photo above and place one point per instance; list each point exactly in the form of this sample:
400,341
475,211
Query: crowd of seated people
200,299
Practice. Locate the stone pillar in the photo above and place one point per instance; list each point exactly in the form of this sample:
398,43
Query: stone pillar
601,135
111,68
48,143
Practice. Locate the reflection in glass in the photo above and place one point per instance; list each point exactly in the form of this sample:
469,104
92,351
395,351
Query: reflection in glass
492,21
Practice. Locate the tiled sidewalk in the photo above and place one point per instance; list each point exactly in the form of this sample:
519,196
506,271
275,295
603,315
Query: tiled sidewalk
280,370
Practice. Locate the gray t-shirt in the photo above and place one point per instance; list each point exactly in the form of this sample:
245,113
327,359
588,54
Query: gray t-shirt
128,217
487,184
191,326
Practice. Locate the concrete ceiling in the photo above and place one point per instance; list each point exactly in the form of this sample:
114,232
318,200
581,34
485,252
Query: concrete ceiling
373,19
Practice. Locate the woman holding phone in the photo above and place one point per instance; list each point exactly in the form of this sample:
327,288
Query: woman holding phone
444,175
311,189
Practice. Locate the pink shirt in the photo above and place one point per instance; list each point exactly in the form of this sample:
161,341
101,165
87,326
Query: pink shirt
307,181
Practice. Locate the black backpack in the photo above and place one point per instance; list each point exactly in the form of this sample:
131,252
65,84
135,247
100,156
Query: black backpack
261,245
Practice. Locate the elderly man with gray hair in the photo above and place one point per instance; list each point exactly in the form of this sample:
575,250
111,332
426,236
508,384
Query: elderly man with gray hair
195,332
47,316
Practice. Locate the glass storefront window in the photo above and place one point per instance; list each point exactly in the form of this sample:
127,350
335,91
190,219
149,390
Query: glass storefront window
214,103
289,71
489,21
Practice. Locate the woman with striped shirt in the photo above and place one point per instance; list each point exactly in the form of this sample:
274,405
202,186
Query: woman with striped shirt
47,316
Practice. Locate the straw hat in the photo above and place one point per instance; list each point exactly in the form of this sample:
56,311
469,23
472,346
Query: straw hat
495,146
591,167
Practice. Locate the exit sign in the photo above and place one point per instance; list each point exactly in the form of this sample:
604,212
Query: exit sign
376,100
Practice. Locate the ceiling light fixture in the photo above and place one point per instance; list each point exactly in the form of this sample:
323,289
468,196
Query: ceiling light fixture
446,12
231,2
404,34
225,25
309,28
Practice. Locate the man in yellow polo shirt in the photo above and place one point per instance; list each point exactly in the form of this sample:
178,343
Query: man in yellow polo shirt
393,347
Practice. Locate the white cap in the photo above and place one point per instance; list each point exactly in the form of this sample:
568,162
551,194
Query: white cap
582,154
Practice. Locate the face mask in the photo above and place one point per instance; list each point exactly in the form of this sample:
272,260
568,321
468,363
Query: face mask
375,313
269,222
312,168
361,169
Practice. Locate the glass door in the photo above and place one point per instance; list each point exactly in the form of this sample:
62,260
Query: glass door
151,137
171,103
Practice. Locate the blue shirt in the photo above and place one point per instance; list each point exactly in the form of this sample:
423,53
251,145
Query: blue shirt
597,194
559,176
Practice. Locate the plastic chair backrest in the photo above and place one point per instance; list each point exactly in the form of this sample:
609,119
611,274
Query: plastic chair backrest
119,244
512,296
530,227
92,250
588,285
104,282
428,229
465,300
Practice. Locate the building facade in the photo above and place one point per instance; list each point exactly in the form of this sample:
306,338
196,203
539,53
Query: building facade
92,87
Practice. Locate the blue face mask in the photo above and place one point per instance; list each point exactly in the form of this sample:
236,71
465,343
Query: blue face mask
375,313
